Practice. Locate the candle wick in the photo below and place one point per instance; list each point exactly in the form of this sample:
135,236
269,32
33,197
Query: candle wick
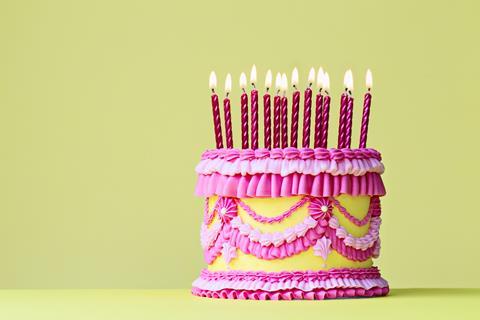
368,89
349,92
310,85
226,96
253,84
213,90
326,92
243,89
295,86
267,88
320,90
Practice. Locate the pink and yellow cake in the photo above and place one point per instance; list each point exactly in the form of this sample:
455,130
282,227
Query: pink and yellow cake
290,223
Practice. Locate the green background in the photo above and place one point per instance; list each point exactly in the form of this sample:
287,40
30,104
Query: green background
104,111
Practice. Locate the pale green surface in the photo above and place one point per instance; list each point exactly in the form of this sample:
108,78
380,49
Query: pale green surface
179,304
104,111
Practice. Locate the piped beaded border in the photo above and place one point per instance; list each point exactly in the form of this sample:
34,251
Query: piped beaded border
293,154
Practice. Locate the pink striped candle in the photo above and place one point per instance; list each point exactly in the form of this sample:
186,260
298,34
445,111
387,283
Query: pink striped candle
342,120
254,104
267,122
325,111
295,110
367,100
307,109
277,112
318,120
244,111
227,112
284,113
217,125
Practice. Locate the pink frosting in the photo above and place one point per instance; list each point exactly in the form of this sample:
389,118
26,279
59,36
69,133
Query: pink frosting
291,294
305,281
265,248
292,154
285,166
291,285
274,185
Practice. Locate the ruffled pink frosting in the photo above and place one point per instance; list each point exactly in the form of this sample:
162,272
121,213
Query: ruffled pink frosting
275,185
287,165
290,285
291,294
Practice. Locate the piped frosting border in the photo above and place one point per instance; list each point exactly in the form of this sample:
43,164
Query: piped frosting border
288,172
290,285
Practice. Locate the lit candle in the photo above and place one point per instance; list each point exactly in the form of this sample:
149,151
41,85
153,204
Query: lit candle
325,111
284,115
295,109
254,104
267,134
349,117
217,126
226,112
318,110
307,109
367,100
244,110
343,113
276,111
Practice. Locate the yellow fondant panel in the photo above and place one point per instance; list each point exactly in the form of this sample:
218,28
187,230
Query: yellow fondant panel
270,207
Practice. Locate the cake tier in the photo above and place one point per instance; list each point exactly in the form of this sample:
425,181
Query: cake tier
308,285
290,223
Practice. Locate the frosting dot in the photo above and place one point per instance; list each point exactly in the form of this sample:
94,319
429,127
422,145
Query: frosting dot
324,208
223,210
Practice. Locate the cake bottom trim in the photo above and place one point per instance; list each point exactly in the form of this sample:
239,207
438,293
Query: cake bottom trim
307,285
294,294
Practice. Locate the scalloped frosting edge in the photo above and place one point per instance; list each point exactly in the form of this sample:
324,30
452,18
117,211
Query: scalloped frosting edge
275,185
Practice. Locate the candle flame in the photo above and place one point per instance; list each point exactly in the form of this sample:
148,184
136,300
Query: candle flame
212,81
326,81
278,82
320,78
311,76
253,75
228,84
284,83
243,80
268,79
348,80
294,77
368,79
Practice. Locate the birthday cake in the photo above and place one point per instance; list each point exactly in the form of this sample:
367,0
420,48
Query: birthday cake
282,222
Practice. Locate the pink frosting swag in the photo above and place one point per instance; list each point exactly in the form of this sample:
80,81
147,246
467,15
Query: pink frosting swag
292,241
274,185
291,285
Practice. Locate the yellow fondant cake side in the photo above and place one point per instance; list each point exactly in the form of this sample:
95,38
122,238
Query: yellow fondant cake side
270,207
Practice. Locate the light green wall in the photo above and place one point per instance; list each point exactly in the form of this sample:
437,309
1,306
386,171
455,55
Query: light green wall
104,111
